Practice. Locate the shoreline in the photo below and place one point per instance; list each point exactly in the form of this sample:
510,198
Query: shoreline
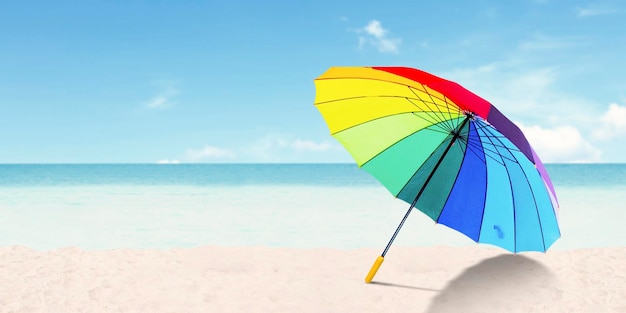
263,279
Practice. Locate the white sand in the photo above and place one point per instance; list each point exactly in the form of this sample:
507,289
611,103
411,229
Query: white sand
260,279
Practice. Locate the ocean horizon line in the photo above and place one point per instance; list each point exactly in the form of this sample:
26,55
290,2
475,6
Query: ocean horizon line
255,163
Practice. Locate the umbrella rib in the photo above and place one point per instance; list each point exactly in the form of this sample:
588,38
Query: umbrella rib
482,219
430,176
441,125
497,152
439,109
517,162
491,151
433,102
501,162
476,145
508,174
462,140
428,108
417,98
399,140
377,118
445,99
484,125
435,118
543,240
340,99
494,149
458,109
437,115
431,154
484,133
426,111
370,96
502,145
441,130
453,126
448,107
506,168
420,191
473,147
386,81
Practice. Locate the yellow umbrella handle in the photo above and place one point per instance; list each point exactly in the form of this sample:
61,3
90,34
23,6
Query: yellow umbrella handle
374,269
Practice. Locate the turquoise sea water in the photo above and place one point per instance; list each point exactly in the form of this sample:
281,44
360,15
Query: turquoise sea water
288,205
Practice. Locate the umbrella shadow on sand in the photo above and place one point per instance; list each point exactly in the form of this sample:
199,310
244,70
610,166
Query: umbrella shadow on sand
497,284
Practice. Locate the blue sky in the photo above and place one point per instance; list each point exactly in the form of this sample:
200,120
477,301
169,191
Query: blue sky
232,81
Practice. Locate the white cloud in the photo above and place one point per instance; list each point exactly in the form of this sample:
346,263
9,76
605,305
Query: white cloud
163,99
375,29
540,43
563,144
209,153
594,11
307,145
275,147
374,34
167,161
613,123
267,147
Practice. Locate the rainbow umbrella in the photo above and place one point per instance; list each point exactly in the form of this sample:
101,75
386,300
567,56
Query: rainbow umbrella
445,151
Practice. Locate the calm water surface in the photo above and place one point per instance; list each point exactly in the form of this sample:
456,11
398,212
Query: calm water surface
294,205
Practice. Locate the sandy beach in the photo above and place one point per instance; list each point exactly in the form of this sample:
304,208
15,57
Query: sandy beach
262,279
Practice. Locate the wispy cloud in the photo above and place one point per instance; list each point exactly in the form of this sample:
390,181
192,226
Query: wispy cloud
613,123
527,94
275,147
207,153
540,42
267,148
594,10
308,145
563,144
167,161
163,99
375,35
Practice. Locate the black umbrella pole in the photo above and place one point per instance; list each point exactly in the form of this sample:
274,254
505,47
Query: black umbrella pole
381,258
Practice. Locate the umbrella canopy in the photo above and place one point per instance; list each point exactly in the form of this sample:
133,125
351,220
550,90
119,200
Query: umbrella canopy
444,150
